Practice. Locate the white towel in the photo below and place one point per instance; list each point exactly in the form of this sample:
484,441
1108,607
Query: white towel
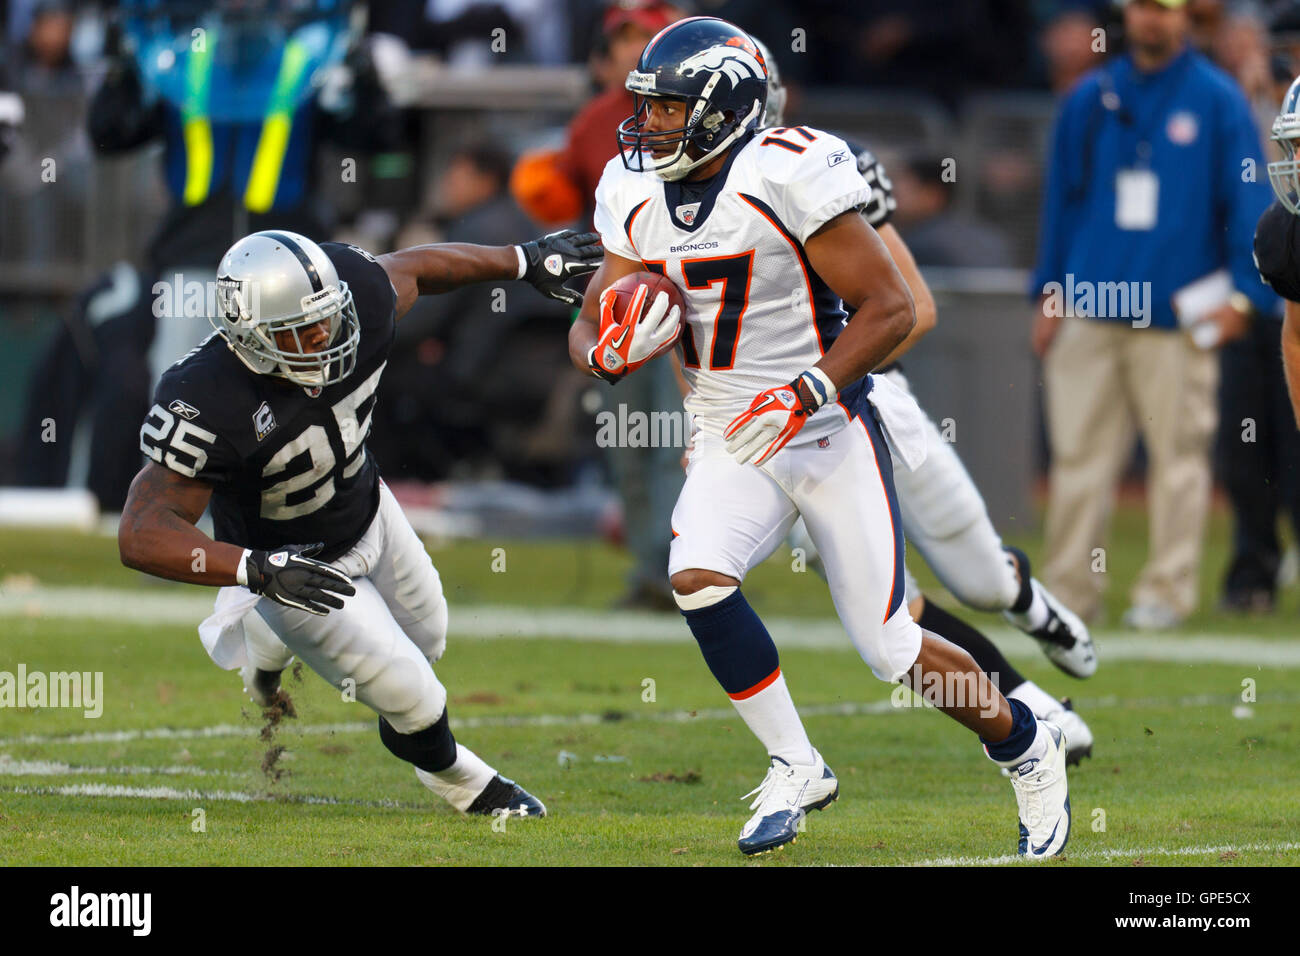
902,421
222,632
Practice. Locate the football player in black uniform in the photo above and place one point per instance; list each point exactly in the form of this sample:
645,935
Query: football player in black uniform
266,424
1277,244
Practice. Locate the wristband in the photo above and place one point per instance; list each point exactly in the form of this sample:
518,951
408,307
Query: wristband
241,571
523,261
820,384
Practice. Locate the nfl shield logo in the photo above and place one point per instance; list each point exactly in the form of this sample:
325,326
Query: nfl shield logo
1182,128
688,213
823,443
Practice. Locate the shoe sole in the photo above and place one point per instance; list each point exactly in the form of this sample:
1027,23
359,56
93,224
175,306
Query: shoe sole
821,804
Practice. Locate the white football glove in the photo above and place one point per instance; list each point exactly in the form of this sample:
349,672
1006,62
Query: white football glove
776,415
625,346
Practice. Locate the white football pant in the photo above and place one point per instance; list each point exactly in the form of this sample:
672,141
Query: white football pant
730,517
386,637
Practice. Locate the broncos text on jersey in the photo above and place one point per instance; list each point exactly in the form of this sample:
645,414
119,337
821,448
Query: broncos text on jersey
286,466
757,313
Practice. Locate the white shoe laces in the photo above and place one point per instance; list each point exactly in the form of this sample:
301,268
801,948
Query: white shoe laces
777,778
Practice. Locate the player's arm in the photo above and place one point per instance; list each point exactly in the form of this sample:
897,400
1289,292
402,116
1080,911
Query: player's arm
926,315
853,261
857,266
1291,353
157,533
441,267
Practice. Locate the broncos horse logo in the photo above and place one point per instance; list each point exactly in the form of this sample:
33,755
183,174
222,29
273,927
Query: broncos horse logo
733,61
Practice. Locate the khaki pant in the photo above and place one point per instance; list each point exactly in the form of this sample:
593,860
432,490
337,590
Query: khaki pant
1104,381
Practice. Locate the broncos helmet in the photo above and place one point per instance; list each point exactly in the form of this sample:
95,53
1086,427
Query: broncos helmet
717,70
1284,174
277,281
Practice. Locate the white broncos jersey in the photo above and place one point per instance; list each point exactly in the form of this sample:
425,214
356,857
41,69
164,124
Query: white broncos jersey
757,314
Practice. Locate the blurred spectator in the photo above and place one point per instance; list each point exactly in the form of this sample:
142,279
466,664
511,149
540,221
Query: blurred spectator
1144,197
42,63
936,235
1069,46
478,379
478,33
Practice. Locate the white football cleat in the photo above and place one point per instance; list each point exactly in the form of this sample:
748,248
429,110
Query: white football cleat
785,796
1078,738
1043,798
1063,637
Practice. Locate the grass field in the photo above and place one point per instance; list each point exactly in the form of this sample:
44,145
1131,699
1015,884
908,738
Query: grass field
1184,772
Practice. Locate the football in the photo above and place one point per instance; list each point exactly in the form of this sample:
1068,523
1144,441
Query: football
625,289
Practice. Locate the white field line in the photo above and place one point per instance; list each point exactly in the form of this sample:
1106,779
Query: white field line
203,796
1111,854
186,607
54,768
647,714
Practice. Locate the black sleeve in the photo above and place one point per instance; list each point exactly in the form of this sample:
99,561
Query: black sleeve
178,435
118,119
372,290
880,207
1277,256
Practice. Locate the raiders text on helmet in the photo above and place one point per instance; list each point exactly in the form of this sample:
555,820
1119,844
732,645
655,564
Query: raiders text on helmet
715,68
277,281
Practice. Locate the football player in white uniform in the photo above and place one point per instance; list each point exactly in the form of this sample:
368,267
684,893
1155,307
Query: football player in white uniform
944,515
762,234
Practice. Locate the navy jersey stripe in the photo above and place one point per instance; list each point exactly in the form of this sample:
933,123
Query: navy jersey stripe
301,254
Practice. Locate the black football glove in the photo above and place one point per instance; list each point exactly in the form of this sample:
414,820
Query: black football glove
554,259
290,577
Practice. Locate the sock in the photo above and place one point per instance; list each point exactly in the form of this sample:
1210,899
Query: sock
432,749
462,782
1040,701
743,659
1022,743
990,660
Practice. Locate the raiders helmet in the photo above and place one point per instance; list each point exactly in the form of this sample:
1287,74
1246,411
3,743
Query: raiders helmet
276,281
717,70
774,110
1284,174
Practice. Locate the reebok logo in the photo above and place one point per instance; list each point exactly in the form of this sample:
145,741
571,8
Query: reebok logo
184,410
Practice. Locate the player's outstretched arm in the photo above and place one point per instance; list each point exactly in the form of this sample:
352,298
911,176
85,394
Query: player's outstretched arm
157,533
857,266
586,328
547,263
926,314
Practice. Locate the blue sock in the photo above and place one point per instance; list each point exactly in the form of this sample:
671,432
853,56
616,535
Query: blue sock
1024,726
735,644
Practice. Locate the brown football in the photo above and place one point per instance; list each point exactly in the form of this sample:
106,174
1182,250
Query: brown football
625,288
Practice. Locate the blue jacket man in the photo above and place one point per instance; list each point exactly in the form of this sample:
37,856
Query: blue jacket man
1155,182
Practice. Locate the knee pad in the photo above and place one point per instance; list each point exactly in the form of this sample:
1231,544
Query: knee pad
704,597
432,749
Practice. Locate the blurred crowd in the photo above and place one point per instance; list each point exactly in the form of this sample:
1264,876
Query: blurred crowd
455,402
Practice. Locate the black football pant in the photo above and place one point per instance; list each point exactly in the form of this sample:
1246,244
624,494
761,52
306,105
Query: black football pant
1262,477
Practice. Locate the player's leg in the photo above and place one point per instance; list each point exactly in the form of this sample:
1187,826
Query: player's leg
268,656
946,520
845,493
362,649
728,518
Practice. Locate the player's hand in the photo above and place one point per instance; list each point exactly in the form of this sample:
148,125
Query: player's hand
644,333
1233,325
776,415
556,258
290,577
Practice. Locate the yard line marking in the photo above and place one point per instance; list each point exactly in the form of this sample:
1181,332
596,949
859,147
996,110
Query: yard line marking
846,709
1114,853
233,796
10,767
185,608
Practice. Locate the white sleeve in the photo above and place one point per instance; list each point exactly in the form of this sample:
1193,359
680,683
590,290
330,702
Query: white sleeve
823,182
608,220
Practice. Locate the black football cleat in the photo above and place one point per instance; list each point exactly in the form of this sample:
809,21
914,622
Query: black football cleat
503,796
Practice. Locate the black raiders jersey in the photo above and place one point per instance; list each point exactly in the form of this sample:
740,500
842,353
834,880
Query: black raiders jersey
1277,251
880,207
286,466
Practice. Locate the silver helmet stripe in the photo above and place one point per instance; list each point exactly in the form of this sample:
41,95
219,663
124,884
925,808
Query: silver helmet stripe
301,254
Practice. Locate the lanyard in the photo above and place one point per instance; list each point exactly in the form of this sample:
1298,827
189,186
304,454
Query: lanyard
1111,101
